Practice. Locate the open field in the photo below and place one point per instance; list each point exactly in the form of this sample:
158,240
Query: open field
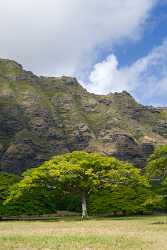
147,233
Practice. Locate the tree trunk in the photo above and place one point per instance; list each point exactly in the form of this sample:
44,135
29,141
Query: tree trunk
84,206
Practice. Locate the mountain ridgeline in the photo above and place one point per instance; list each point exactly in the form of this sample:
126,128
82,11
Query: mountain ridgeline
44,116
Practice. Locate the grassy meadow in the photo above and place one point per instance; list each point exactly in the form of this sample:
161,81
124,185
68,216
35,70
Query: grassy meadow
126,233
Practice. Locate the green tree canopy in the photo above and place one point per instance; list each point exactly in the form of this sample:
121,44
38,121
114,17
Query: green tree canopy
78,173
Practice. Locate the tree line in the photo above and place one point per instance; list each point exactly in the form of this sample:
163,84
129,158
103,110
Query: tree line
87,183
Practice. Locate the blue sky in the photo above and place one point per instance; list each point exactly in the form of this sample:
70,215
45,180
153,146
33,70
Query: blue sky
108,45
129,52
154,34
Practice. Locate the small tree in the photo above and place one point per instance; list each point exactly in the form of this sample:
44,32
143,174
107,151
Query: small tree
78,173
156,171
156,168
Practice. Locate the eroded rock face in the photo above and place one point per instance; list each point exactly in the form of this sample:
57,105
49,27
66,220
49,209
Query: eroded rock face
44,116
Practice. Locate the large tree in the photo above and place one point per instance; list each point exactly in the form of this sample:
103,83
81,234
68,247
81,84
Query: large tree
78,173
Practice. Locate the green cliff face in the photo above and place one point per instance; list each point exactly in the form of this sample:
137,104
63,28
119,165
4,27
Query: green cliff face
44,116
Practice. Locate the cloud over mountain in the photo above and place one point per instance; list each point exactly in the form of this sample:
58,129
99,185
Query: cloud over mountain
146,78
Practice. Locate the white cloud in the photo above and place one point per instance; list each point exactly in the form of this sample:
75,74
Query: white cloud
146,78
106,77
62,36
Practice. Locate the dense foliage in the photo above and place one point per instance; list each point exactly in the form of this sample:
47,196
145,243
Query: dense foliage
123,200
6,182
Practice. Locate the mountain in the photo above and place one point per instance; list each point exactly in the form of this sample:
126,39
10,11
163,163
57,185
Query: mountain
44,116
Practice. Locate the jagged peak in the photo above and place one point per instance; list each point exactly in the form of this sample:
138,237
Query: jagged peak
123,93
12,70
66,79
8,62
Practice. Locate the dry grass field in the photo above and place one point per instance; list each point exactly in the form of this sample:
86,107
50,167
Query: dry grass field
147,233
